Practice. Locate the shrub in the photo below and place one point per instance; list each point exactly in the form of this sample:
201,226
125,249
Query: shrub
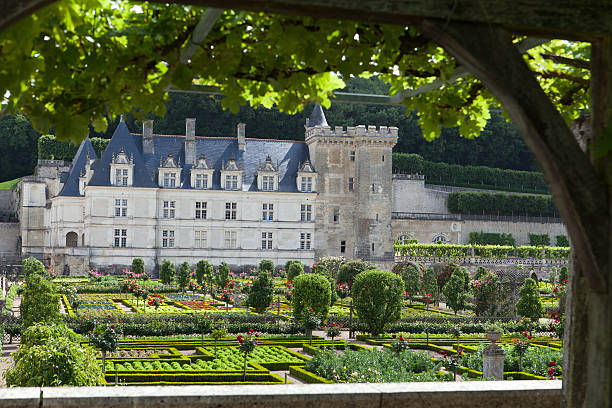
222,275
529,303
481,272
350,269
266,265
377,298
539,240
562,241
33,266
40,303
295,269
138,266
311,291
166,273
430,285
261,293
455,292
41,333
444,275
60,362
204,271
182,278
51,149
563,274
333,264
412,280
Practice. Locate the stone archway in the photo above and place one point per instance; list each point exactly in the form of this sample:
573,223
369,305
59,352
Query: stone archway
72,239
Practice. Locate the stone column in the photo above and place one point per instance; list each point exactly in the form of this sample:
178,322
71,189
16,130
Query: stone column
493,362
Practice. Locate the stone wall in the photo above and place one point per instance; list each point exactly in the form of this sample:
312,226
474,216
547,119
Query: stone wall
9,243
411,195
519,230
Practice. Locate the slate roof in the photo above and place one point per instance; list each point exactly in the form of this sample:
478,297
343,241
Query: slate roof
317,117
288,155
71,182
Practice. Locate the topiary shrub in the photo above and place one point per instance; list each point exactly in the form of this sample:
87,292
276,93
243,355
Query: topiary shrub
377,298
562,241
166,272
350,269
40,303
311,291
529,303
204,271
31,266
455,292
138,266
182,278
222,275
295,268
563,274
261,293
266,265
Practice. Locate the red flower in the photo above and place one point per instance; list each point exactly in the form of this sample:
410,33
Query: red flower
112,326
250,330
256,334
401,338
552,364
529,337
394,335
311,309
239,338
551,371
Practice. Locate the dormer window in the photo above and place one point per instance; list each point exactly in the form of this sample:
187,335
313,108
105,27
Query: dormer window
122,169
169,173
231,175
306,178
201,174
267,176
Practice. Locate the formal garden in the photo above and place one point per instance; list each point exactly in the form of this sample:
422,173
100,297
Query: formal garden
333,321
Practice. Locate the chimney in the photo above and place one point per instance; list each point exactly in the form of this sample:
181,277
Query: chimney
241,134
147,137
190,141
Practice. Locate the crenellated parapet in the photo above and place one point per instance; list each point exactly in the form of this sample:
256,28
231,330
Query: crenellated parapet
352,131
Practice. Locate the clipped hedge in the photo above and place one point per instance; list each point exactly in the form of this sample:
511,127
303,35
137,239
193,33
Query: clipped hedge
307,376
472,202
51,149
491,238
470,176
481,251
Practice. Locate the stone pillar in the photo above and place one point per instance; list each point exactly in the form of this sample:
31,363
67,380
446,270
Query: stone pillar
493,362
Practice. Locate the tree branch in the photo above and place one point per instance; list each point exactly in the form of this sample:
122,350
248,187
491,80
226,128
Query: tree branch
578,63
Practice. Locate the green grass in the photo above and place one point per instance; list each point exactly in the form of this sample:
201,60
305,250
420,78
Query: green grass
6,185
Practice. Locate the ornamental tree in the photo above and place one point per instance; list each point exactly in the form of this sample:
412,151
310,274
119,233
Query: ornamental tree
311,291
377,298
39,301
182,278
166,272
266,265
222,275
295,268
105,336
529,303
138,266
261,293
454,291
350,269
204,272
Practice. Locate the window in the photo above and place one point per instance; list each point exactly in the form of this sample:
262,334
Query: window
305,240
306,184
169,208
372,188
200,239
200,210
167,239
266,240
230,239
306,212
120,208
169,179
352,155
376,217
439,239
403,239
201,181
342,247
372,247
336,215
121,177
267,183
120,238
230,211
383,157
351,183
267,212
231,182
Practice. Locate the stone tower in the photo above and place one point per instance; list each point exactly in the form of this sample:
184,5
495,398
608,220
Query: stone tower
353,211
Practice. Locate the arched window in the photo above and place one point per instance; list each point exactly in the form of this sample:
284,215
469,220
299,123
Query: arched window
72,239
439,239
403,239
